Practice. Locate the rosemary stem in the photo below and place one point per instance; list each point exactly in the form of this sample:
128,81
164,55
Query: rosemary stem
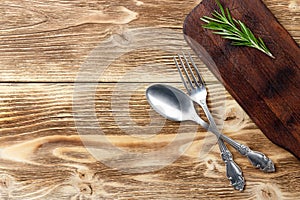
230,28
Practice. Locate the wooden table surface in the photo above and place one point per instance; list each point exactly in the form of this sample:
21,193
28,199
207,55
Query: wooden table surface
45,48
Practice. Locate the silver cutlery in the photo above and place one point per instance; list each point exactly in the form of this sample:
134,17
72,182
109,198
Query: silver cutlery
175,105
197,91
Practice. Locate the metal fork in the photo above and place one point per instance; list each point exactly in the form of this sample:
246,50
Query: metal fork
197,92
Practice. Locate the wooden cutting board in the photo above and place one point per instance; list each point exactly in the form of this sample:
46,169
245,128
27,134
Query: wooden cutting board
267,89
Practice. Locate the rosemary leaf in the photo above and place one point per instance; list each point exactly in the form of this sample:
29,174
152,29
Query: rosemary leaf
229,28
229,16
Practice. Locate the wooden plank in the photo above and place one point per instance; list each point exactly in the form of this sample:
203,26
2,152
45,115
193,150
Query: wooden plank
52,40
42,155
28,108
267,89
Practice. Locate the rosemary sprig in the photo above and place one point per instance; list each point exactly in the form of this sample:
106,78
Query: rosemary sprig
229,28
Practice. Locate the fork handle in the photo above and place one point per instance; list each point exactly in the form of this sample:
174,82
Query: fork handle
233,171
257,159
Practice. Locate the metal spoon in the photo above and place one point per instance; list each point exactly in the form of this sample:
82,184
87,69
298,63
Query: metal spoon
175,105
233,171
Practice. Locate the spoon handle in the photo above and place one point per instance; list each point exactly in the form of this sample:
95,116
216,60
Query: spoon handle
257,159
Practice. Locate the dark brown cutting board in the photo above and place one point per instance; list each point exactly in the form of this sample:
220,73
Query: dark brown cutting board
267,89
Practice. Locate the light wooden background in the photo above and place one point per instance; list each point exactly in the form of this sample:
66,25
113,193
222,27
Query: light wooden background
44,44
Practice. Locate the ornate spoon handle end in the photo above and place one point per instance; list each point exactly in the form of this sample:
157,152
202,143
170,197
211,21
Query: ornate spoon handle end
258,159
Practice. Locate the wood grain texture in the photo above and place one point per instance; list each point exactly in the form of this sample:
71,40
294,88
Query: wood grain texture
271,89
52,39
43,47
43,156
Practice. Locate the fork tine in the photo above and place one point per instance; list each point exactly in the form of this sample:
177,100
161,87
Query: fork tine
181,75
186,72
201,81
191,71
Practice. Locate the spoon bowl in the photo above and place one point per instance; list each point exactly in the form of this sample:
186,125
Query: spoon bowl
170,102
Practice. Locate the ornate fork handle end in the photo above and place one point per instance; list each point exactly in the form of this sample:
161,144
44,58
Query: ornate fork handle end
233,171
258,159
